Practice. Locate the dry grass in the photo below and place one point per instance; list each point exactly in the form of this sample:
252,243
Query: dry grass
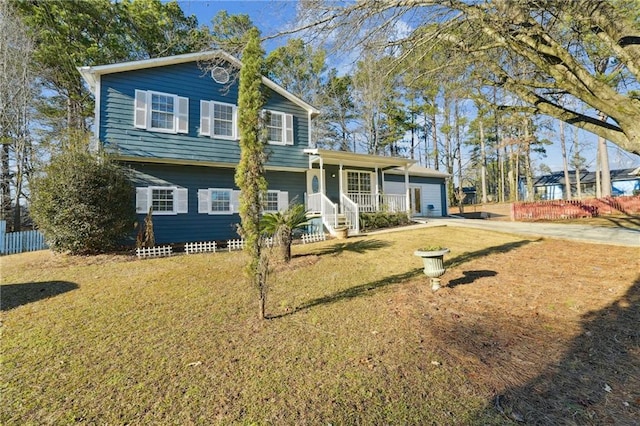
540,329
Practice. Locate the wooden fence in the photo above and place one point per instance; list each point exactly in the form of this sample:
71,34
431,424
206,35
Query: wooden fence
18,242
563,209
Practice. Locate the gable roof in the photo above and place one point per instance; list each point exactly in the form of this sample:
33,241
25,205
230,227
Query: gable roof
91,74
557,178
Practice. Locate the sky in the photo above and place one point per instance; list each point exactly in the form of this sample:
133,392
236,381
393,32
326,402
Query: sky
272,16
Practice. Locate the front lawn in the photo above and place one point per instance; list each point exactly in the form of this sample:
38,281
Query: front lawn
540,330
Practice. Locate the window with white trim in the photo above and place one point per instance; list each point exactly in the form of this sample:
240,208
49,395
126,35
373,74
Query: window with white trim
164,200
276,201
359,182
161,112
218,120
279,127
218,201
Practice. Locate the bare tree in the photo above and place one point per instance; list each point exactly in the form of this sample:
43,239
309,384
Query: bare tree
16,96
554,39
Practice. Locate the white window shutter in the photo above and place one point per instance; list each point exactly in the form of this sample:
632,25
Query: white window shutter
181,198
203,200
235,201
205,118
142,200
183,115
283,200
288,129
140,107
236,125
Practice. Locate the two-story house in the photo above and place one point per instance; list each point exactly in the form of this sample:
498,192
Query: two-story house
174,122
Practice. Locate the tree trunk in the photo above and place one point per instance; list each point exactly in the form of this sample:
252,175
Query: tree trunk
576,153
5,183
483,167
527,160
565,163
434,138
502,185
604,163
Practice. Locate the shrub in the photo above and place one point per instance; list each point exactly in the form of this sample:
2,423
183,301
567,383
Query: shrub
82,203
378,220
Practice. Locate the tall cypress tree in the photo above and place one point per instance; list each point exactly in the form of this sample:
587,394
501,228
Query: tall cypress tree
250,172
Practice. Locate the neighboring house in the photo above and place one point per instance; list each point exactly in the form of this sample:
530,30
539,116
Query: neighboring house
551,186
176,126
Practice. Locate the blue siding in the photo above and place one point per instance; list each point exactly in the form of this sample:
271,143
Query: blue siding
118,133
424,180
194,226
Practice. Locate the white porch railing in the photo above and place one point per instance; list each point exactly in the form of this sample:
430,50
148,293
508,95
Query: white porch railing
350,207
370,203
393,203
351,213
314,202
366,202
320,203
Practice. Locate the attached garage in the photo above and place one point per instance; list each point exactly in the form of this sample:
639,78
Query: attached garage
427,189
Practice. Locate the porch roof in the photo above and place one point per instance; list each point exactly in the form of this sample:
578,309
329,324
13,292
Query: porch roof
358,160
417,170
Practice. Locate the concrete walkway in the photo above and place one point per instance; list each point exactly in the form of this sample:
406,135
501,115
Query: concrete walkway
584,233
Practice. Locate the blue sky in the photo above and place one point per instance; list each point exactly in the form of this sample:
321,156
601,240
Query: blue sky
271,16
268,15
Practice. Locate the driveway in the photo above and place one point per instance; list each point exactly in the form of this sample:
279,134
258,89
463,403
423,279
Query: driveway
584,233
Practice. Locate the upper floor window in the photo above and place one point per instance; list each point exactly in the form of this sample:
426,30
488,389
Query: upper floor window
279,127
161,112
218,120
164,200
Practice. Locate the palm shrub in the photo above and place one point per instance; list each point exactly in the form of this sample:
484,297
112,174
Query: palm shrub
82,203
281,225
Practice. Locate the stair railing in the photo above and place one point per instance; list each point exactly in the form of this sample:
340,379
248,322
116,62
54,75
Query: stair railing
351,213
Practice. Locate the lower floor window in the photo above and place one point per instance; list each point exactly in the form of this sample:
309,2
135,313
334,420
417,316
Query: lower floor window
220,200
271,204
227,201
162,200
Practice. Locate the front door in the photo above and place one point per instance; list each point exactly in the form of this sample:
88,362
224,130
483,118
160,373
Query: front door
313,181
416,200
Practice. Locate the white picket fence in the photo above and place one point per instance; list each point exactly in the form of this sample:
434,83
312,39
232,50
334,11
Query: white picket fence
235,244
19,242
313,237
200,247
157,251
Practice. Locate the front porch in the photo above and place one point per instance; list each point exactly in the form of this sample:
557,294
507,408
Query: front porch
341,185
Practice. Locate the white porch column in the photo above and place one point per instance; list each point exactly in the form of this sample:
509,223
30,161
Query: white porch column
406,189
377,203
322,176
340,182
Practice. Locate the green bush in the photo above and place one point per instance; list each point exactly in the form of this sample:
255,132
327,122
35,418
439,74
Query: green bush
83,204
378,220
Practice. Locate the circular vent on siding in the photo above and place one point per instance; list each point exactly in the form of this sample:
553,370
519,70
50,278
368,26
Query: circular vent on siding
220,75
